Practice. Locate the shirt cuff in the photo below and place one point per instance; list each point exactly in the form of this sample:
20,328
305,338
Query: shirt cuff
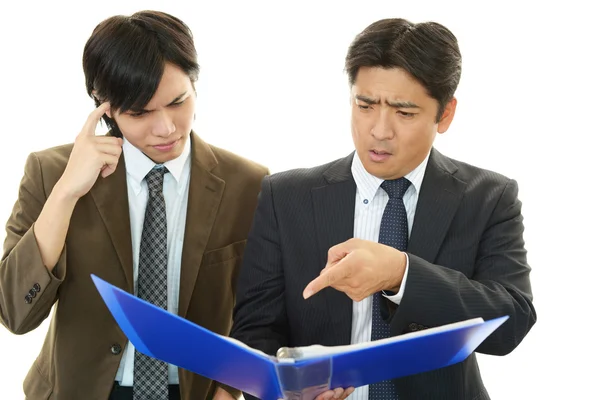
395,298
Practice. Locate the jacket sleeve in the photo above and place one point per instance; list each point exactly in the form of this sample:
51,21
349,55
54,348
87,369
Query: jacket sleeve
27,289
260,318
436,295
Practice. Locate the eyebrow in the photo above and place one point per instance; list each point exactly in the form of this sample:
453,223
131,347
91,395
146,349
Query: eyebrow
175,100
395,104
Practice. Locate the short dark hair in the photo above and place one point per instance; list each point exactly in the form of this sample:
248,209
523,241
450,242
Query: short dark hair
124,59
427,50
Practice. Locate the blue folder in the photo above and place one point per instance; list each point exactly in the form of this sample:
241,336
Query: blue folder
300,373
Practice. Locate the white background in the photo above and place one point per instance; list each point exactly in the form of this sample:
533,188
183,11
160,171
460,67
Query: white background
272,88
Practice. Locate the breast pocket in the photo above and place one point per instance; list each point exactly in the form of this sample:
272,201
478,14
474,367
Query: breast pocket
216,286
224,254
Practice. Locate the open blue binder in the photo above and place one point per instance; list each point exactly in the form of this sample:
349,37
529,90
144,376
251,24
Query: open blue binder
298,373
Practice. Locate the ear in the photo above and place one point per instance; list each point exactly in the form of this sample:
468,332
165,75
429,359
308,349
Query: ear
447,116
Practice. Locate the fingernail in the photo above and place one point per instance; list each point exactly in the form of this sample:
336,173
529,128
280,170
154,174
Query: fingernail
307,293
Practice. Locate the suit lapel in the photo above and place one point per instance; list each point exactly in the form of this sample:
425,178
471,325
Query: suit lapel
334,219
110,197
439,198
205,194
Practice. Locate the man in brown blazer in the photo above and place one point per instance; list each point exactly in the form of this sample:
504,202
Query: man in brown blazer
91,208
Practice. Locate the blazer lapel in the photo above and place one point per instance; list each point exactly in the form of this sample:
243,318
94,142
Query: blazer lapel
440,196
110,197
334,219
205,194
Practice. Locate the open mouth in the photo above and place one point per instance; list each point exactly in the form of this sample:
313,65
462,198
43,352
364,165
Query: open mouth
379,155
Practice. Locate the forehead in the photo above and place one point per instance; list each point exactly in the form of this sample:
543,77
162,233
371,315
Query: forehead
389,83
173,83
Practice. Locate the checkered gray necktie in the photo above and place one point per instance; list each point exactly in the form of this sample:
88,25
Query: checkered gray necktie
150,376
392,232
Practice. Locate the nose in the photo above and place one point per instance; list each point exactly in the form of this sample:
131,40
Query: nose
383,127
163,124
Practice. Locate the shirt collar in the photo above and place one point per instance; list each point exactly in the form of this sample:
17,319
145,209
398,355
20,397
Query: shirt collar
367,184
137,164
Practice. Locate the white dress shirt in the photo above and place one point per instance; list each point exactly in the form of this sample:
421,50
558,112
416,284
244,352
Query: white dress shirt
175,190
371,200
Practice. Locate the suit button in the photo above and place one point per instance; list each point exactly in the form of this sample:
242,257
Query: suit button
115,349
32,293
28,299
413,327
37,287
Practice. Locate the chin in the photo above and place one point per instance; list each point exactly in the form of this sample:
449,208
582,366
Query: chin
380,170
160,157
163,158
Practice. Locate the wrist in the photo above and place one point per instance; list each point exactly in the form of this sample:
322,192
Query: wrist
398,267
63,194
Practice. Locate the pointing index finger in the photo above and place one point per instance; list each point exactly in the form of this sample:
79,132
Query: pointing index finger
326,279
89,128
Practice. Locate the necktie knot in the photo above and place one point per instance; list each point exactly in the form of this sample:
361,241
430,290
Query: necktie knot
155,178
396,188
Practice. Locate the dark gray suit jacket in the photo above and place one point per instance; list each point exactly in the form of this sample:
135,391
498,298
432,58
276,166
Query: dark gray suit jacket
467,260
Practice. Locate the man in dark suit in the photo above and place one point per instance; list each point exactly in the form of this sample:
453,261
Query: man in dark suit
395,237
167,220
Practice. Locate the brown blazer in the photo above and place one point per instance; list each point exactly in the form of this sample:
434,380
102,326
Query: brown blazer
83,347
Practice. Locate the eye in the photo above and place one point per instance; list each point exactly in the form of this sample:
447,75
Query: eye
407,114
363,107
138,114
178,103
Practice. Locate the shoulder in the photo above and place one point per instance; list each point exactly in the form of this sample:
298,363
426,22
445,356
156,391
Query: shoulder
50,162
312,176
53,156
230,161
471,174
480,183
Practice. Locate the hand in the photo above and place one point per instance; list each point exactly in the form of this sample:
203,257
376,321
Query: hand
91,156
360,268
338,394
222,394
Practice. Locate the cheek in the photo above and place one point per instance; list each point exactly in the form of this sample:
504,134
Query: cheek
416,134
360,126
358,136
133,130
184,117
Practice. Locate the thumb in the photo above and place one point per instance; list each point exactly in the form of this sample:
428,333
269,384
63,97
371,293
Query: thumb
108,170
339,251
